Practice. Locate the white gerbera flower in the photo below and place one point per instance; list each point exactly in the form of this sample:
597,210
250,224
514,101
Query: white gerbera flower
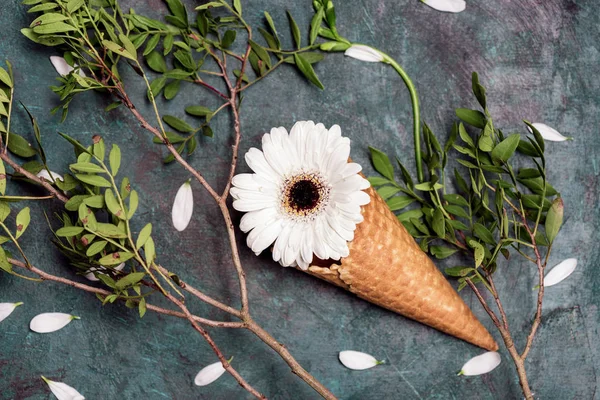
304,195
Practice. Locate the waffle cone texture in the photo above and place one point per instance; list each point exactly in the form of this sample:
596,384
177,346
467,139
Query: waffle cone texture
387,267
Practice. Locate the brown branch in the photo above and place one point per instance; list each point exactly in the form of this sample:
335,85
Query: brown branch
49,277
211,88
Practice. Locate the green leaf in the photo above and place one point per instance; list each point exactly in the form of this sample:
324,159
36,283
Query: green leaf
198,111
275,37
310,56
156,61
426,186
142,307
307,69
456,210
95,248
505,149
382,163
143,236
485,143
483,233
93,180
79,148
479,252
54,27
228,39
478,90
110,230
456,199
315,24
538,136
2,178
96,201
5,78
554,219
87,217
465,136
387,191
177,9
295,30
261,53
438,223
207,131
471,117
23,219
458,271
20,146
378,181
114,159
129,280
149,250
177,124
117,49
441,252
87,167
172,89
133,204
408,215
4,264
128,45
116,258
399,202
405,175
99,148
210,4
113,204
69,231
237,6
4,211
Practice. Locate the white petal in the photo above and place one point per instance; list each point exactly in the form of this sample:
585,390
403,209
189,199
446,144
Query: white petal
481,364
49,176
357,360
61,66
560,272
183,206
50,322
209,374
6,309
363,53
548,133
62,391
453,6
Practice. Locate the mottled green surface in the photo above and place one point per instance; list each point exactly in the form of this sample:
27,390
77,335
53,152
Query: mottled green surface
540,60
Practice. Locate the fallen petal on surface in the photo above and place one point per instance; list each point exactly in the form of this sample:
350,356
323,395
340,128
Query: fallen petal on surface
62,391
209,374
452,6
6,309
357,360
50,322
481,364
560,272
183,206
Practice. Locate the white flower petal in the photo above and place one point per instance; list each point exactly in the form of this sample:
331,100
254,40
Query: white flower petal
452,6
209,374
50,322
363,53
61,66
62,391
7,308
481,364
183,206
357,360
560,272
548,133
49,176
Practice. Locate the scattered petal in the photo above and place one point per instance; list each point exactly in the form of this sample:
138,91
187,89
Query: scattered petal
92,277
209,374
50,322
61,66
357,360
7,308
183,206
452,6
62,391
560,272
549,133
481,364
363,53
49,176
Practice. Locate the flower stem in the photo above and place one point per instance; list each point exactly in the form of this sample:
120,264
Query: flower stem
414,99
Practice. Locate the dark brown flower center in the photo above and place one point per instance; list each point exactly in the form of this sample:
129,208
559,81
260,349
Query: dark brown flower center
304,195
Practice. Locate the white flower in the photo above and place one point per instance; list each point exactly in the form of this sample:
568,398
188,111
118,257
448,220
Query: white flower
7,308
560,272
62,67
452,6
183,207
90,272
363,53
50,322
481,364
549,133
62,391
209,374
357,360
304,195
52,176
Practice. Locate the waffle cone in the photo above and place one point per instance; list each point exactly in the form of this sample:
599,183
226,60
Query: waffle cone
387,267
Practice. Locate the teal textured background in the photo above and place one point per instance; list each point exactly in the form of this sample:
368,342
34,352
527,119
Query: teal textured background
540,60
